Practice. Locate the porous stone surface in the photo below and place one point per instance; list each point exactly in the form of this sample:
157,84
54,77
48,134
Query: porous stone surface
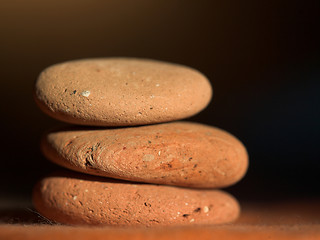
121,91
79,199
179,153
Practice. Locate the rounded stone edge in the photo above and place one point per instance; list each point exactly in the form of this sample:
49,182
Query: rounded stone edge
61,116
49,212
53,155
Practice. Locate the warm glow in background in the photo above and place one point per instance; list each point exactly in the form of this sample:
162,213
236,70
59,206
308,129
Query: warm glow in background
261,57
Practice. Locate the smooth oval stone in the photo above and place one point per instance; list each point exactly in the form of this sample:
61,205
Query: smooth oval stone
79,199
178,153
121,91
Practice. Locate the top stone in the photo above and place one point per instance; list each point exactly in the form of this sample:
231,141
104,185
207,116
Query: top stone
121,91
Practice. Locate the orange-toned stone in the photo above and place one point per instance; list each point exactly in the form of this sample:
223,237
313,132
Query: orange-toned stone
121,91
179,153
74,198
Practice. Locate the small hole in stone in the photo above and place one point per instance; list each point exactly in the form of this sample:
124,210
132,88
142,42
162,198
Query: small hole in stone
197,210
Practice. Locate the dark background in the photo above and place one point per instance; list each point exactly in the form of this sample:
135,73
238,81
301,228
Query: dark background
262,58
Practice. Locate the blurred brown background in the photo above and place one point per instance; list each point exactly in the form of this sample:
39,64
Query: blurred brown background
262,58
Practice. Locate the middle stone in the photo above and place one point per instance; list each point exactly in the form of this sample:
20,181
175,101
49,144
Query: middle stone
179,153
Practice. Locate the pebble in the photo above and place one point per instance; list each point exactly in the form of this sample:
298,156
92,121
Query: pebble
121,91
78,199
178,153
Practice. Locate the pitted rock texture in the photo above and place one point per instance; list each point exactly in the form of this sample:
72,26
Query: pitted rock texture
121,91
79,199
179,153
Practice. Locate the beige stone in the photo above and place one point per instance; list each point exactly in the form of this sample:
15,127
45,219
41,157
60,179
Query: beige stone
121,91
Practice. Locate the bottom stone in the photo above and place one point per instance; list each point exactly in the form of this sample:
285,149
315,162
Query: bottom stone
78,199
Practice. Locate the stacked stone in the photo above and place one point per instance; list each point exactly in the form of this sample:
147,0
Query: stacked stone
135,164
